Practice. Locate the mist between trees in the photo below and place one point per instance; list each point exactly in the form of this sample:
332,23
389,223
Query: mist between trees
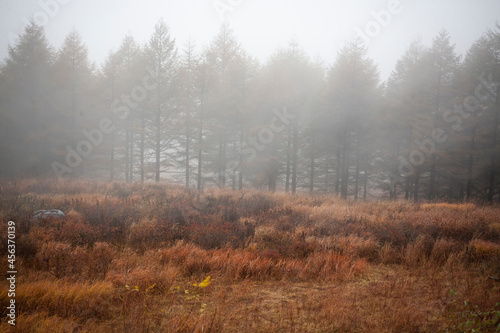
218,117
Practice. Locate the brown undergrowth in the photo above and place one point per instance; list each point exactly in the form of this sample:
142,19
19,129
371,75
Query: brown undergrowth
156,258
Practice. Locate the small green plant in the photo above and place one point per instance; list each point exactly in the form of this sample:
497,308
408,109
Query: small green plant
474,320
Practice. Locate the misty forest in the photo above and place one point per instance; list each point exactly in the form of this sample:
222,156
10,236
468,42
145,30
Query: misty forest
213,116
163,184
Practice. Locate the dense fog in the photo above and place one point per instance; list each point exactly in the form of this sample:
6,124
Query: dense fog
216,114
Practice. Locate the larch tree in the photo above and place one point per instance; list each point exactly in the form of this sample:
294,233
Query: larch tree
286,90
27,112
443,64
187,108
494,37
131,73
161,57
225,61
74,87
398,125
110,78
352,82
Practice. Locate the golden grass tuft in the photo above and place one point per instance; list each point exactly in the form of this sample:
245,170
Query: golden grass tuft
461,207
63,299
42,321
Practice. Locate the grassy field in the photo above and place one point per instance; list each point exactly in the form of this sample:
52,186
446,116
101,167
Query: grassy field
157,258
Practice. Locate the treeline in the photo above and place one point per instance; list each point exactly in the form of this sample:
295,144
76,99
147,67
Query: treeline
218,117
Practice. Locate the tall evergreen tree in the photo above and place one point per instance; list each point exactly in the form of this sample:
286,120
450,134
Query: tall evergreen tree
399,125
443,65
161,56
74,89
226,77
352,84
27,110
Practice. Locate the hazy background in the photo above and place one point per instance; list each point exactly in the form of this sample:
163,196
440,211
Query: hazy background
320,27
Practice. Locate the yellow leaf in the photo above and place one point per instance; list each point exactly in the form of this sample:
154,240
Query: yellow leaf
205,282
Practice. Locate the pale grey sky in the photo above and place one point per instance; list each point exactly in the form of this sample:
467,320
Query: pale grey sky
320,26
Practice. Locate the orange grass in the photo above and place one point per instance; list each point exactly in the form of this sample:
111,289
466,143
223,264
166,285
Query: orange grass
130,258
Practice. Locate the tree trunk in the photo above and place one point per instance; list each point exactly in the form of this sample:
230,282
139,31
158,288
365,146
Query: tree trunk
365,180
345,166
222,161
188,139
491,190
73,91
338,170
432,181
240,169
200,137
356,180
131,155
112,164
233,171
313,142
471,164
493,168
407,188
415,189
294,158
393,186
127,150
288,158
158,142
408,182
143,129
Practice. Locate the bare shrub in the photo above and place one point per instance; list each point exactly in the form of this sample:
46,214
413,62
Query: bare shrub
99,260
389,255
55,258
442,249
418,251
483,250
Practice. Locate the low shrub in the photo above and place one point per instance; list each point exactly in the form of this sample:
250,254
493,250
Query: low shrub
483,250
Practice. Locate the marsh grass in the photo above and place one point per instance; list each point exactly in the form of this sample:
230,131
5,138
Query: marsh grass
136,258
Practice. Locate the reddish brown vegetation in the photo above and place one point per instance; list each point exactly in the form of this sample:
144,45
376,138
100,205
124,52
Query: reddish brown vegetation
125,259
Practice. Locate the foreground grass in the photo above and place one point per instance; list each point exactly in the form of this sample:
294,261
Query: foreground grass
136,258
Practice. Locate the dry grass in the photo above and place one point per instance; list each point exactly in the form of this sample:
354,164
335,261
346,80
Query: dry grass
130,258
